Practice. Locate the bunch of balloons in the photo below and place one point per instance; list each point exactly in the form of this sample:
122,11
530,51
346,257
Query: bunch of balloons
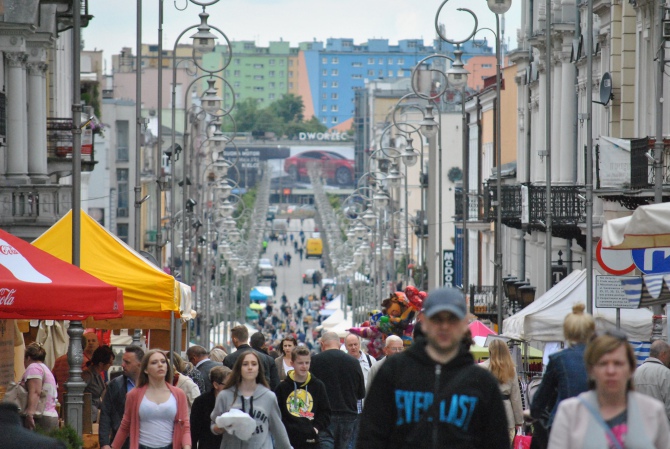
395,318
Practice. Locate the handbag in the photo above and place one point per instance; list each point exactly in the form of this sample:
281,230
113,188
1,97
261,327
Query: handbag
17,394
521,441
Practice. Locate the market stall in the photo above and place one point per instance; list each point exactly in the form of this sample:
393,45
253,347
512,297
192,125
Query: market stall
150,295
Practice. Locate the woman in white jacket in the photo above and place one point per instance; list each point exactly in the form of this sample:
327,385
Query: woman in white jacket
611,414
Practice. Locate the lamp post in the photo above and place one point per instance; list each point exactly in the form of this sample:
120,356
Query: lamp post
498,7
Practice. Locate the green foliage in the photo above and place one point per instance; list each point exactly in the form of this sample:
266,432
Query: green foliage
249,200
66,434
283,117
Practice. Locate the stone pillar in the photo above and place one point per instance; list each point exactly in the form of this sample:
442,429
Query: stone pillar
567,126
37,124
17,155
557,132
74,401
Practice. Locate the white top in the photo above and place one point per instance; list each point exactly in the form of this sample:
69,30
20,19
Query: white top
286,367
157,422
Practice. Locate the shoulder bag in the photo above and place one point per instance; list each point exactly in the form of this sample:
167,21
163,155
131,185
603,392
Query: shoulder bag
17,394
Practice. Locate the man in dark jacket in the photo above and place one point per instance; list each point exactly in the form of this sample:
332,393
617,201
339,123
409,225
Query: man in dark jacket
345,385
239,335
15,436
433,395
114,400
302,398
199,357
201,435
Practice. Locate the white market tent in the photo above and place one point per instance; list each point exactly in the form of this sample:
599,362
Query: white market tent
648,227
542,320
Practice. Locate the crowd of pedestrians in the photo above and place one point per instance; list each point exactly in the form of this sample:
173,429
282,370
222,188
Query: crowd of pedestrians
431,394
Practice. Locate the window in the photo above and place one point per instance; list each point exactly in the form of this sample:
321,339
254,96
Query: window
271,73
390,61
258,77
226,73
324,84
381,61
290,74
237,96
333,120
290,85
259,88
334,60
390,73
356,64
401,73
271,62
122,231
271,85
357,76
323,120
371,73
122,140
334,108
324,96
487,66
236,61
258,66
401,61
334,72
333,95
281,62
281,85
324,60
324,108
236,84
281,73
271,96
236,73
122,187
324,72
381,73
371,60
334,84
290,62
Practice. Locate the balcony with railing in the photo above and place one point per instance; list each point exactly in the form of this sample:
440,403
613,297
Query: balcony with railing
475,207
635,188
29,210
59,144
568,211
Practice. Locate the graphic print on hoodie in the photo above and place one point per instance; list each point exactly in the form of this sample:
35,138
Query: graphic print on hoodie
304,406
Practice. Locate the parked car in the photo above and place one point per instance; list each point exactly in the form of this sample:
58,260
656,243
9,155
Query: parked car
266,270
336,168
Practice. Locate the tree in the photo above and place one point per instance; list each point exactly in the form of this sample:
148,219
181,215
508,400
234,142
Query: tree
289,108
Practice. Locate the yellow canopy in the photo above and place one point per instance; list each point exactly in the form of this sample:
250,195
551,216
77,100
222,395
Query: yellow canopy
148,292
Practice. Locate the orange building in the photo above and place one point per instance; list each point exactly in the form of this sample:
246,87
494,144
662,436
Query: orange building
480,67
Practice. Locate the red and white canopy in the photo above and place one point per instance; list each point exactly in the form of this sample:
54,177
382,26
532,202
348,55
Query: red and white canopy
36,285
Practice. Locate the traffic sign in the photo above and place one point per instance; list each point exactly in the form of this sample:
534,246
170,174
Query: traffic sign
610,293
615,261
652,260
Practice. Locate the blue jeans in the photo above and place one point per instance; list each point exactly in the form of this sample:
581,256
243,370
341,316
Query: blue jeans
340,432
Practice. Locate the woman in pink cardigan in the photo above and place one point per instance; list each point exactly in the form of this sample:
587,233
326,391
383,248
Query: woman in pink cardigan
156,413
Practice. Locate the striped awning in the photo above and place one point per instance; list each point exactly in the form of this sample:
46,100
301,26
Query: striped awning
648,289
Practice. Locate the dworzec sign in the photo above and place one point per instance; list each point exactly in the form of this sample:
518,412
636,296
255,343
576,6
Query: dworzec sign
334,136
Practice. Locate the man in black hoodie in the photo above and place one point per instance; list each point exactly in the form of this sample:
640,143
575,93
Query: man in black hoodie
432,395
302,398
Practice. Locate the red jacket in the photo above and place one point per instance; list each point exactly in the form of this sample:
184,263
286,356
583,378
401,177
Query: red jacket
130,425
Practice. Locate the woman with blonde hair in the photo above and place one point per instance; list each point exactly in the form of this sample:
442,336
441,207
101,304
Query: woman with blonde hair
502,367
156,414
565,376
611,414
217,355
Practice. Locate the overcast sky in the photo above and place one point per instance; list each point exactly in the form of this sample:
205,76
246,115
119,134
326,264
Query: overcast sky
114,22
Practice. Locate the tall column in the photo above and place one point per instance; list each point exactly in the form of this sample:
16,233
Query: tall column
17,157
37,123
557,133
568,99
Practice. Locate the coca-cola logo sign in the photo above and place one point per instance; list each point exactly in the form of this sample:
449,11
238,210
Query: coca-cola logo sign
8,250
7,296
